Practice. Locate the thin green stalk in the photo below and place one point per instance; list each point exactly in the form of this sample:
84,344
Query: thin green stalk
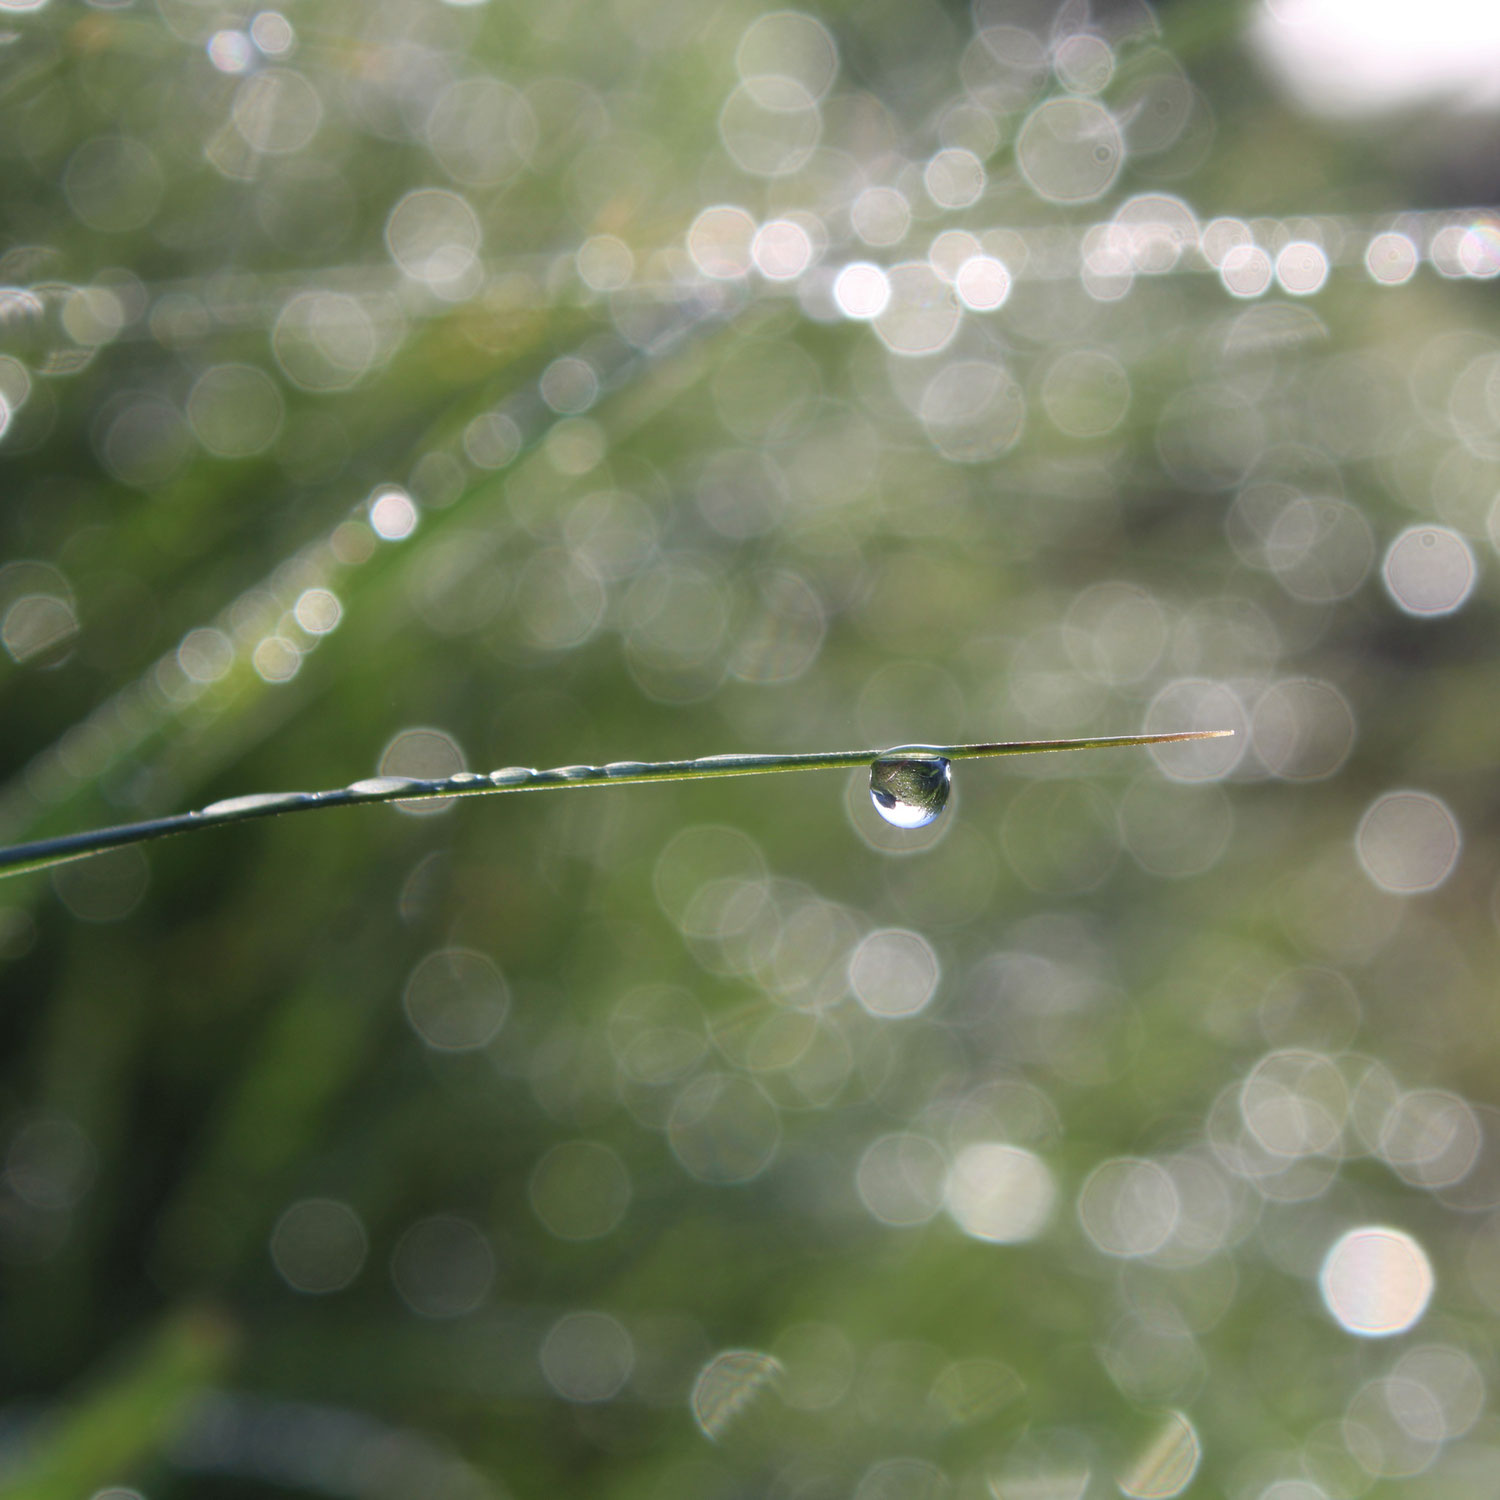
20,858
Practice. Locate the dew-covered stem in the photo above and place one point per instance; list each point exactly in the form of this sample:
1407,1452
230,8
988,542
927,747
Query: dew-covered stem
20,858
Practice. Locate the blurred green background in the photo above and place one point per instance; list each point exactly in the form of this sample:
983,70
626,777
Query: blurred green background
408,387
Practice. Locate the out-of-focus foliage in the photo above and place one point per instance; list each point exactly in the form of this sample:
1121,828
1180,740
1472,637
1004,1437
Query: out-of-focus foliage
397,386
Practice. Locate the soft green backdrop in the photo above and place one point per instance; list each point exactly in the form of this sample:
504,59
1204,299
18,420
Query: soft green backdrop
410,387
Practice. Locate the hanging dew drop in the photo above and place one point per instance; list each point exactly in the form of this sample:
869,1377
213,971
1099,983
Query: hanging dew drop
910,788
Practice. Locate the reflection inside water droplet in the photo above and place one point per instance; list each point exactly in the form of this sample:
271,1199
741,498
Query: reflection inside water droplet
910,788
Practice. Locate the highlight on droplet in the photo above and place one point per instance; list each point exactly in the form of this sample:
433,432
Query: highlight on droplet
1167,1464
726,1386
1376,1281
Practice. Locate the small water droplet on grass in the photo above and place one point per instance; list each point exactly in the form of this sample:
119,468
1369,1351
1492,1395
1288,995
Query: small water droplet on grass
256,802
382,786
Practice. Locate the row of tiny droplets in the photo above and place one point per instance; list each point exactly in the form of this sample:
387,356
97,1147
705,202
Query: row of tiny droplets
473,783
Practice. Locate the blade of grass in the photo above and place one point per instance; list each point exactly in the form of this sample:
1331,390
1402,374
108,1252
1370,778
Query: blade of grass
20,858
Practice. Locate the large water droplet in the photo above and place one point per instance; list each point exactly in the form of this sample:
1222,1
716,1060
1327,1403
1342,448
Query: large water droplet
910,787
